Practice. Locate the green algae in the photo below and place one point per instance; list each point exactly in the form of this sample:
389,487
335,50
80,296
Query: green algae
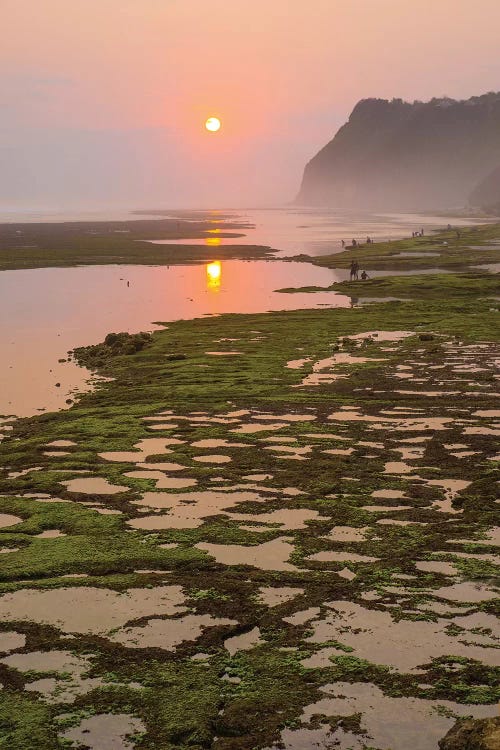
185,703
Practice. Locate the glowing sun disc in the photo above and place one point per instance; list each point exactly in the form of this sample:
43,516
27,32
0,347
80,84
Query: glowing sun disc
213,124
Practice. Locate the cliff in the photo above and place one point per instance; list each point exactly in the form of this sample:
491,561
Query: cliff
486,195
393,155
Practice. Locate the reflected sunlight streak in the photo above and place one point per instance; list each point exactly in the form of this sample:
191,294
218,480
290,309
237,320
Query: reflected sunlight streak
214,275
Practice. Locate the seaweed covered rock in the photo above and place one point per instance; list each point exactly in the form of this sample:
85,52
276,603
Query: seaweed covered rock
473,734
114,345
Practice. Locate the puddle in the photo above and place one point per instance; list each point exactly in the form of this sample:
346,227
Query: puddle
272,596
7,520
289,519
319,376
162,482
89,610
295,450
271,555
434,566
387,722
187,509
106,732
143,449
305,615
257,477
279,440
94,486
339,451
467,591
389,494
71,682
347,534
10,641
352,557
243,642
167,634
488,413
382,335
394,522
214,459
286,417
405,645
452,487
297,364
211,443
253,427
385,508
398,467
382,423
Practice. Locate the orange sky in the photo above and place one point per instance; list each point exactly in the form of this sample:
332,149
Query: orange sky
119,89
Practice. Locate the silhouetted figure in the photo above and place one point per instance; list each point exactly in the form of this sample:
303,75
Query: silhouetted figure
354,243
364,276
128,283
343,243
353,271
421,232
369,240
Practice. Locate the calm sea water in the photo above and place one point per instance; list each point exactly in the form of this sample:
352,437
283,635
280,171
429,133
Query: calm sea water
46,312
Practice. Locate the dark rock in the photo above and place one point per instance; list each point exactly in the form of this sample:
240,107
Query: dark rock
426,337
58,385
175,357
473,734
397,155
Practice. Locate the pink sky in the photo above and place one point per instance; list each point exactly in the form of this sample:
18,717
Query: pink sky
103,101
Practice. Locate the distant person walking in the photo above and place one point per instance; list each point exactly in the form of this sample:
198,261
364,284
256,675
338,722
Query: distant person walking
353,271
354,243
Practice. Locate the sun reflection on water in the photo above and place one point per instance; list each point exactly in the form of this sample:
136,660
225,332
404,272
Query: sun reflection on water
214,275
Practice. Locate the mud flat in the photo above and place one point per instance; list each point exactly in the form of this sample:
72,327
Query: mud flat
331,582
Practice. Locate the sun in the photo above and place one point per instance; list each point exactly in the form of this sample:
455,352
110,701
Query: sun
213,124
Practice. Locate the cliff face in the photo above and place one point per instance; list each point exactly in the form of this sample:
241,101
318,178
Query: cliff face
487,194
392,155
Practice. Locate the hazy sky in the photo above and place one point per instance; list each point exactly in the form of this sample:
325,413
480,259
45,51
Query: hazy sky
103,101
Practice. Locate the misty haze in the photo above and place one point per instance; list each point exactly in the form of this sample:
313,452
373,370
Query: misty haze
249,419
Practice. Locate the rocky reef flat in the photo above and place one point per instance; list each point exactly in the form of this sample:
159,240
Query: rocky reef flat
265,531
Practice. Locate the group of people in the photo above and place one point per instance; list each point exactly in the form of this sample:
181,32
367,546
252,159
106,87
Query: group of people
418,233
354,272
355,243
